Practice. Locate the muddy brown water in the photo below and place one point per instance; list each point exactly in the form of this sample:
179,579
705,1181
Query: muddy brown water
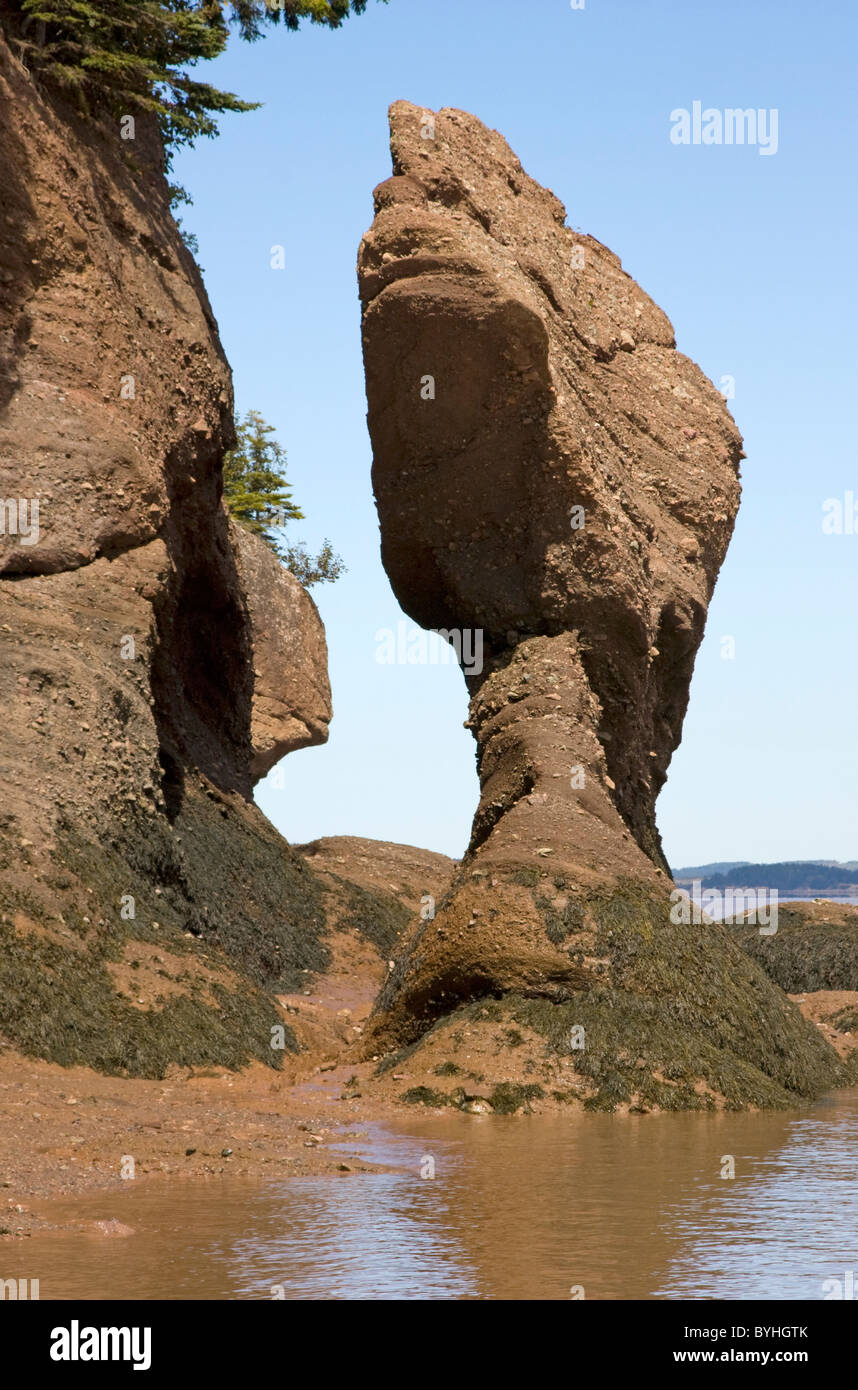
518,1208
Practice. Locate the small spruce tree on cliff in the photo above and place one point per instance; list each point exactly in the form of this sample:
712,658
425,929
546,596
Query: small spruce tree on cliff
258,496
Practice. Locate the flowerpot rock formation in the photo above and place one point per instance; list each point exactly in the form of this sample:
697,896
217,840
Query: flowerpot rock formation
557,486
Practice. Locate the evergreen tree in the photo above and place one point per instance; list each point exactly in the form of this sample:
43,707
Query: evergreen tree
258,496
123,55
254,481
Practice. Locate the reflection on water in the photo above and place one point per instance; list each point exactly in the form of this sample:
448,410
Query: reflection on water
786,1224
630,1207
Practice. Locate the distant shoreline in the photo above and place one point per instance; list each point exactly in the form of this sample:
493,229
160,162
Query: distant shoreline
791,878
847,892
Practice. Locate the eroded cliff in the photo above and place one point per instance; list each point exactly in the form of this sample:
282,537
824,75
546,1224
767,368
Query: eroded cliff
156,660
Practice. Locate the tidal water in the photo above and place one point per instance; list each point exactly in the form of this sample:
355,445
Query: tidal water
716,910
518,1208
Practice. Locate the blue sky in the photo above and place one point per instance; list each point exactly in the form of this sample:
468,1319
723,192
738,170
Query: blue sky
751,256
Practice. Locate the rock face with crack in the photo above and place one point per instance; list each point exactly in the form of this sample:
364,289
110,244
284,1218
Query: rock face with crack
156,660
557,486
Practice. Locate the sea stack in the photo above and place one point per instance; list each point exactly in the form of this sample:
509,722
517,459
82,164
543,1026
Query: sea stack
554,477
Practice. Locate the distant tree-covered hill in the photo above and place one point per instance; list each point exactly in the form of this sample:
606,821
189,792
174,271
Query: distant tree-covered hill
794,876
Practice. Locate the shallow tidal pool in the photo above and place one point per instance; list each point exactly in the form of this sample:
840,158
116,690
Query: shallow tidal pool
531,1207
